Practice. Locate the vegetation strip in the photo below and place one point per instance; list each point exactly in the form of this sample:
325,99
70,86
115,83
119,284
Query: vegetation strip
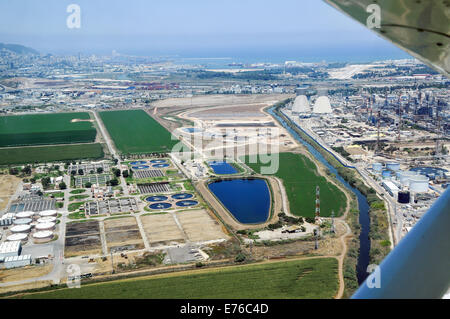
312,278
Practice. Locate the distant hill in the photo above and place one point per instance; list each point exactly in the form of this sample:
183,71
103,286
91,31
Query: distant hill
18,49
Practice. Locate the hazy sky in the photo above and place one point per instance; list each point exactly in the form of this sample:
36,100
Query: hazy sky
282,28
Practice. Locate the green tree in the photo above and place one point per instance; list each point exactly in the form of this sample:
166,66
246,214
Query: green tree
45,181
27,170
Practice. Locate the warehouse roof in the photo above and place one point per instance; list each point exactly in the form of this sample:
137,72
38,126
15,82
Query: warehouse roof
9,247
17,258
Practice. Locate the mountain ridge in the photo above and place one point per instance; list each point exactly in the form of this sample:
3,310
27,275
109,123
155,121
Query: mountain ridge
17,48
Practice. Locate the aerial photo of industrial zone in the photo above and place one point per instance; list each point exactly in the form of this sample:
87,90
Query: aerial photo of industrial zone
138,176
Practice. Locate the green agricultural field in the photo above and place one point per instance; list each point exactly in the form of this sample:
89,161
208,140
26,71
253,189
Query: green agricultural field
300,178
134,131
37,154
43,129
314,278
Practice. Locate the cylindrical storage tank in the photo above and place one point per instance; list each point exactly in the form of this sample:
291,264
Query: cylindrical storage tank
24,214
386,174
46,219
377,167
19,236
45,226
404,197
22,221
404,176
42,236
393,166
21,229
418,184
48,213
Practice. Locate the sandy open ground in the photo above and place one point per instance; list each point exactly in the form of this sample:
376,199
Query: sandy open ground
200,226
220,99
120,224
22,273
8,186
162,229
240,110
123,232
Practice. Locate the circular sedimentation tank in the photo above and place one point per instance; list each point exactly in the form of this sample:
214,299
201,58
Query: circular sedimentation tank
158,161
140,167
138,163
22,221
431,172
50,212
156,198
20,229
18,236
45,226
192,129
186,203
43,236
46,219
24,214
182,196
160,165
163,205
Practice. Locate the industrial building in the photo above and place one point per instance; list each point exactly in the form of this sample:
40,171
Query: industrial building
391,188
10,248
17,261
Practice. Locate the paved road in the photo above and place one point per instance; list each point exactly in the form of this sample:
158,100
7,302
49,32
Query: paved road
112,150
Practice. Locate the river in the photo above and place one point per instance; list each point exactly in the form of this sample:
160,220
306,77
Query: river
364,220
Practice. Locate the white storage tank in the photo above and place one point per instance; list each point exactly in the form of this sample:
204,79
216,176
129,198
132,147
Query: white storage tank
48,213
386,174
18,237
45,226
393,166
21,229
24,214
42,236
22,221
377,167
46,219
404,176
418,184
